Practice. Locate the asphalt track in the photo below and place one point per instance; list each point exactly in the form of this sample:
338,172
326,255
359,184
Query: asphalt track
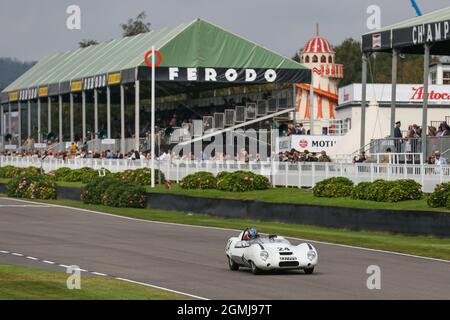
192,260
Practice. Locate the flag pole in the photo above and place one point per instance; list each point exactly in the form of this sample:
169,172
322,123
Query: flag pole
153,154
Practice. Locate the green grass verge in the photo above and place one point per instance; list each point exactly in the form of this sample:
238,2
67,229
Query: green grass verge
422,246
23,283
290,195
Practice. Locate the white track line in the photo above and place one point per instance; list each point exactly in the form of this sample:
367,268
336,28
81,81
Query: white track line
105,275
161,288
235,230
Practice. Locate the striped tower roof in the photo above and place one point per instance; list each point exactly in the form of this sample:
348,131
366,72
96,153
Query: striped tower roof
318,45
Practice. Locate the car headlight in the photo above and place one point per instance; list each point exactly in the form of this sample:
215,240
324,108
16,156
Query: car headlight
311,255
264,255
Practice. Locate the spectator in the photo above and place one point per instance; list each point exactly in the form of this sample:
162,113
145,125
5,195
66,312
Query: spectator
432,131
360,158
324,157
398,137
439,161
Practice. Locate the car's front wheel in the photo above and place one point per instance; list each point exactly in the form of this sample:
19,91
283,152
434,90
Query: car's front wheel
309,270
254,268
233,265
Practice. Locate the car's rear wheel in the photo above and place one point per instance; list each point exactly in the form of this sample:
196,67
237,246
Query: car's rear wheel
233,265
309,270
254,268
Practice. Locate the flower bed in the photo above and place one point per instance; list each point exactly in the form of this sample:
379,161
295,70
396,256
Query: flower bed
34,186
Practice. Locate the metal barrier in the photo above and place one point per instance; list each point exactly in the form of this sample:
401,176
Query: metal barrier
283,174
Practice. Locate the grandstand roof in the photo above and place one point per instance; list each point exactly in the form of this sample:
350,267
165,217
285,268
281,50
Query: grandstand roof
197,44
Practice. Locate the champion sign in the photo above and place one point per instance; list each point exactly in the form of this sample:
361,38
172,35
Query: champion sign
432,32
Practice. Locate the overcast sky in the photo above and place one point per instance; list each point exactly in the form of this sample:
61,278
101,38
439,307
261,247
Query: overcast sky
30,30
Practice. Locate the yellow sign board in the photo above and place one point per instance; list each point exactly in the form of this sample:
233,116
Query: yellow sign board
114,78
43,91
13,96
76,86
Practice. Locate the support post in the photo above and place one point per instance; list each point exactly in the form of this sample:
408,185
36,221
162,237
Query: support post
311,103
60,118
153,153
122,119
426,71
19,120
39,120
2,121
9,119
29,117
363,101
96,113
393,90
49,114
137,127
72,136
83,116
108,111
294,95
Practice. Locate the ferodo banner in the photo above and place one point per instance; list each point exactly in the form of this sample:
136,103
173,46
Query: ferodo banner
227,75
314,143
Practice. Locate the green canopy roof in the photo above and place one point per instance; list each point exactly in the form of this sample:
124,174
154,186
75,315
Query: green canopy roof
198,44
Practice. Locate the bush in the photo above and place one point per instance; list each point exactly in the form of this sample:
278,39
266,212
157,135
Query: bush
440,196
124,196
32,187
199,180
388,191
84,175
10,172
141,176
336,187
61,173
360,191
92,193
242,181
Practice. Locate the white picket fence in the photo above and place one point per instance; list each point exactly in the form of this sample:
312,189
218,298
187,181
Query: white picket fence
283,174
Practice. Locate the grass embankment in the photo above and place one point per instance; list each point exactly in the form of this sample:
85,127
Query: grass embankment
290,195
422,246
21,283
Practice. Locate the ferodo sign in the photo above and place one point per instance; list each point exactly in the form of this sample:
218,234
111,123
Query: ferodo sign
314,143
227,75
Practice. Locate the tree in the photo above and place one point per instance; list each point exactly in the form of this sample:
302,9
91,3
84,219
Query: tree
136,26
349,54
87,43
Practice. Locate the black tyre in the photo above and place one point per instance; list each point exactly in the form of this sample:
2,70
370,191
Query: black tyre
254,268
309,270
232,265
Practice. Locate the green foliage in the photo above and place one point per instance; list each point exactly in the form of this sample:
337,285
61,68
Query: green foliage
112,192
10,172
33,186
92,193
242,181
141,176
199,180
136,26
440,196
60,174
388,191
84,175
336,187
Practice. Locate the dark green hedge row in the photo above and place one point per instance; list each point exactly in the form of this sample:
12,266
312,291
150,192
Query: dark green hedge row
440,198
111,191
379,190
32,186
239,181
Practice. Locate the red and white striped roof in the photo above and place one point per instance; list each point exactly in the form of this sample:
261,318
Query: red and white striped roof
318,45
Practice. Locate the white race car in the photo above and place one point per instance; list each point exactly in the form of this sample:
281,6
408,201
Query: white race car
270,252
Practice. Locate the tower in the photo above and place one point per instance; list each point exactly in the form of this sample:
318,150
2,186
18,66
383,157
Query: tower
319,56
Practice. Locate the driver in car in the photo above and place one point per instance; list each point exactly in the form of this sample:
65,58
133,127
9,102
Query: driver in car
250,234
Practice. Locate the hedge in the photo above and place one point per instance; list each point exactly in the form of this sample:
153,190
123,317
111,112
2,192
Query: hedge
10,172
241,181
113,192
33,186
199,181
336,187
141,176
440,197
